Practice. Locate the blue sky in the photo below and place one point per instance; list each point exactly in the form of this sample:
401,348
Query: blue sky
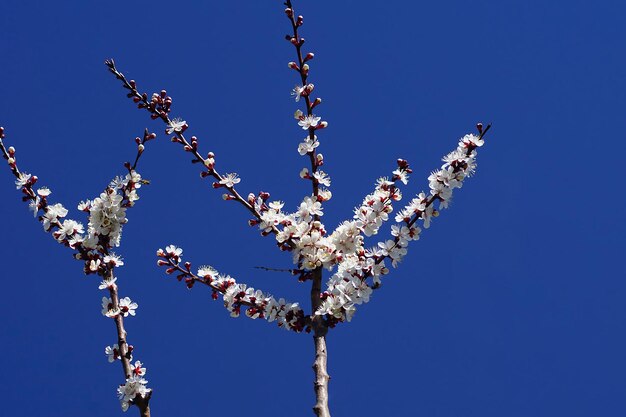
511,304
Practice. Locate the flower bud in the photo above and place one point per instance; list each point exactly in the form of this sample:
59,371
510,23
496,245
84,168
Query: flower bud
140,148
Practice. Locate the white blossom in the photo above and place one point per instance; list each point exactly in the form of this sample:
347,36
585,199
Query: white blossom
22,180
127,307
308,122
137,369
308,145
176,125
229,180
112,352
107,284
297,92
134,386
113,260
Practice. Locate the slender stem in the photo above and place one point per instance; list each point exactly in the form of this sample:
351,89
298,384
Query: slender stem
119,326
309,106
141,403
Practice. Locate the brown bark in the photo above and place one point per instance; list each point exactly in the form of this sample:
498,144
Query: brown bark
320,329
321,377
143,404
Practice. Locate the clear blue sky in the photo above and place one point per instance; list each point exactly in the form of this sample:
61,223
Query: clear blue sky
511,305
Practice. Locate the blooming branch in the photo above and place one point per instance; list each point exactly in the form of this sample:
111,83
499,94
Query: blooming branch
258,304
349,287
302,232
159,107
107,214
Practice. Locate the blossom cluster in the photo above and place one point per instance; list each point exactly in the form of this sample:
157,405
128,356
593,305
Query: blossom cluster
349,286
257,304
134,387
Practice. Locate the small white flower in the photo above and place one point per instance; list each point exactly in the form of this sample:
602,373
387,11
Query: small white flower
473,139
34,205
127,307
137,369
402,175
43,192
107,284
84,205
112,352
308,145
229,180
207,271
134,386
173,251
67,229
308,122
94,264
276,205
297,92
322,178
113,260
176,125
22,180
107,305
